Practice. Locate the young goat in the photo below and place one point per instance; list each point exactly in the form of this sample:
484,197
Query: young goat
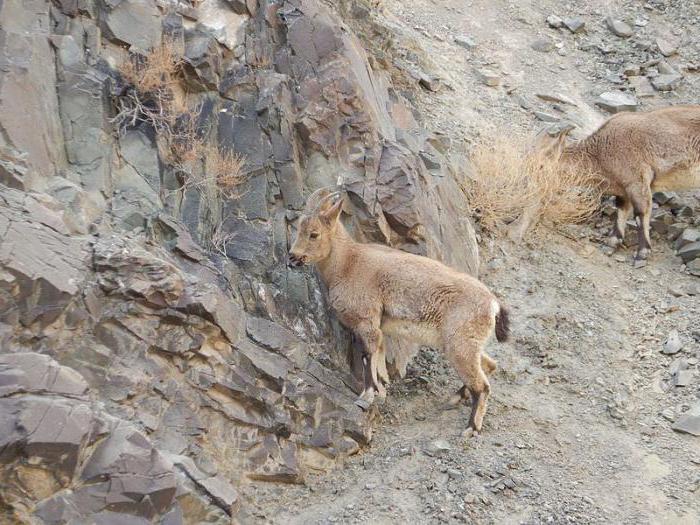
636,154
376,290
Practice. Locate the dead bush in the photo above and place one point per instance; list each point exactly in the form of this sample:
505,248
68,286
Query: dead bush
226,169
153,96
155,71
509,180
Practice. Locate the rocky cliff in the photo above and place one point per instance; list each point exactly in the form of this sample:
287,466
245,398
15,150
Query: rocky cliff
156,350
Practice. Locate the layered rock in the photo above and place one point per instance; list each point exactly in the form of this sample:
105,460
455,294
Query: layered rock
192,368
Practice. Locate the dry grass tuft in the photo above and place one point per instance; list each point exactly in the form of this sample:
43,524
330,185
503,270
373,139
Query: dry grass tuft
226,169
154,98
156,71
508,181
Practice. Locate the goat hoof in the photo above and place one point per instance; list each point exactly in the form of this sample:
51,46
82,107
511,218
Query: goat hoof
469,433
363,404
642,255
366,399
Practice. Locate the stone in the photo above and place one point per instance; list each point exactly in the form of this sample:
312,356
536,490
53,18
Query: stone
47,264
556,98
543,45
437,447
665,68
694,267
619,28
429,82
689,422
575,25
223,493
546,117
135,22
226,24
689,235
465,42
666,82
631,70
673,343
683,377
690,251
617,101
489,77
555,22
665,47
663,197
50,421
643,88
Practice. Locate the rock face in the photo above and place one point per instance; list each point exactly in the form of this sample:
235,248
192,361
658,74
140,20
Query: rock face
154,322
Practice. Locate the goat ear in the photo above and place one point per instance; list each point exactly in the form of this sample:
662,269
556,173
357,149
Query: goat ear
331,213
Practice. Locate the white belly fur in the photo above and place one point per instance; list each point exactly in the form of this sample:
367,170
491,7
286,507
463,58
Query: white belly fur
423,334
678,180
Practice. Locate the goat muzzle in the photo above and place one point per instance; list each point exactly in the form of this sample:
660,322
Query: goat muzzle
295,261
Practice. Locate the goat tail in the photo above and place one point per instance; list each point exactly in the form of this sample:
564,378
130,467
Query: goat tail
502,323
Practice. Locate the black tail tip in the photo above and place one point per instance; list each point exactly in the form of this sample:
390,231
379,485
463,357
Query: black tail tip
502,324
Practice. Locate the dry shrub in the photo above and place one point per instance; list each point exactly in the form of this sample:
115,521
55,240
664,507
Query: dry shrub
226,168
510,180
155,97
156,70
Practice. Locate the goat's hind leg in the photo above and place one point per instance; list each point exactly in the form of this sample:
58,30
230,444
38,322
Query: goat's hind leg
488,365
465,356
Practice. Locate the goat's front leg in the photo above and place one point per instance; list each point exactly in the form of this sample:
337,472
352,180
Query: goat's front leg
371,337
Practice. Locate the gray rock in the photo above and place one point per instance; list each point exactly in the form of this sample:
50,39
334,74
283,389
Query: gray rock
546,117
665,47
694,267
555,22
631,70
575,25
619,28
135,22
556,98
666,82
673,343
437,447
690,251
617,101
688,236
665,68
689,422
428,82
663,197
543,45
465,42
642,87
683,378
489,77
46,263
225,494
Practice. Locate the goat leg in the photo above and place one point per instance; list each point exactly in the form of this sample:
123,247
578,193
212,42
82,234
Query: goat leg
367,396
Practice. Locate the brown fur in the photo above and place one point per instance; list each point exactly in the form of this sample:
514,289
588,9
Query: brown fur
376,290
636,154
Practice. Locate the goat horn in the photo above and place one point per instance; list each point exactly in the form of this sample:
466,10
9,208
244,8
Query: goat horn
318,199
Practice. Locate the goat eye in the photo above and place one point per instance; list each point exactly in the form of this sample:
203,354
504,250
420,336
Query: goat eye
313,235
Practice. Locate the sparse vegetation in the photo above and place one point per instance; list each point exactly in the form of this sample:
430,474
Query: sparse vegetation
508,181
153,96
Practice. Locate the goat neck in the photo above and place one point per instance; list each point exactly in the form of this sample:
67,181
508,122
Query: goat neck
332,267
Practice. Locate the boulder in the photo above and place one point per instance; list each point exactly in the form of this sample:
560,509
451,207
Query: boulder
617,101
